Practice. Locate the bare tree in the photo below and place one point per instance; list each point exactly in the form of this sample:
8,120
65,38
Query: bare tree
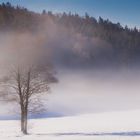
24,85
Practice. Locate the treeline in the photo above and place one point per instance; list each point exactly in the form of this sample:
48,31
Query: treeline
16,18
124,42
102,42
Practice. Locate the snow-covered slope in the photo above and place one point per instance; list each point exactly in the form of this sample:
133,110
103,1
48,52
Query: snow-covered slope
102,126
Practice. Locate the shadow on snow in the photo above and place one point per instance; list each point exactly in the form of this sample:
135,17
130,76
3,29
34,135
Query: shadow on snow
135,133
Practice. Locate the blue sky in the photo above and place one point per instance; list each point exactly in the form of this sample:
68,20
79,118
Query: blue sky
123,11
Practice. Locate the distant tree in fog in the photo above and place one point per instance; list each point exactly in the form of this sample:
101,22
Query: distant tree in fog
25,85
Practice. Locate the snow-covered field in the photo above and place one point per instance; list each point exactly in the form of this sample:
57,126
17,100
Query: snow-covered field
89,94
100,126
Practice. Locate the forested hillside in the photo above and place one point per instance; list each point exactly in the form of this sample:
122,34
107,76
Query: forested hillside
74,40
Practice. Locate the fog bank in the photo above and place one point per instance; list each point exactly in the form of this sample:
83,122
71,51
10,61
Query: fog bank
95,91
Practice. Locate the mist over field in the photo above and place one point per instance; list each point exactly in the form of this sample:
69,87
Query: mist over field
89,91
95,91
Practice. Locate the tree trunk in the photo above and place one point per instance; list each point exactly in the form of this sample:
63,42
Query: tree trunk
24,122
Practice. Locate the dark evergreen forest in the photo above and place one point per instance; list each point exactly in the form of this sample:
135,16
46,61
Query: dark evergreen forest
74,40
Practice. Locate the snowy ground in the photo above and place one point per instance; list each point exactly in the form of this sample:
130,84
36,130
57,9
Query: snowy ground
101,126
